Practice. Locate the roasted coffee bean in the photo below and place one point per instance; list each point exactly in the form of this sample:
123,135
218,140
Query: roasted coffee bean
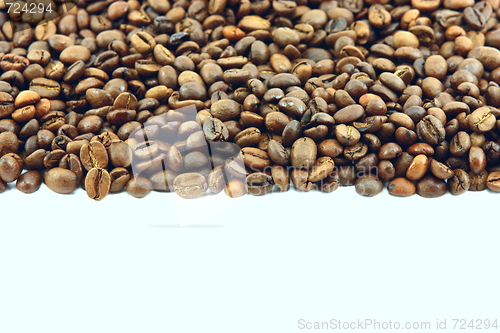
277,153
215,130
162,180
190,185
217,179
248,137
94,155
61,180
281,177
431,187
477,159
330,183
418,167
119,179
347,175
303,154
235,188
120,154
97,183
46,88
493,181
440,170
9,168
368,185
72,162
347,135
8,143
323,167
482,120
300,180
478,181
53,158
431,130
386,170
3,186
389,151
259,183
460,144
139,187
255,159
401,187
459,183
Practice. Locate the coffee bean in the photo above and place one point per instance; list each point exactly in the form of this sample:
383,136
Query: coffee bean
477,159
401,187
8,143
235,188
460,144
300,180
277,153
389,151
94,155
493,181
6,105
440,170
303,154
259,183
255,159
323,167
74,53
190,185
349,114
347,175
347,135
139,187
431,187
281,177
418,167
97,183
9,168
3,186
195,160
431,130
248,137
45,88
61,180
368,185
235,166
26,98
482,120
459,183
217,179
478,181
162,180
215,130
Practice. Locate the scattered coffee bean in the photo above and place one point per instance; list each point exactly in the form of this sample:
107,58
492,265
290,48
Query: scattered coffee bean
259,183
401,187
190,185
29,181
61,180
97,183
431,187
139,187
369,185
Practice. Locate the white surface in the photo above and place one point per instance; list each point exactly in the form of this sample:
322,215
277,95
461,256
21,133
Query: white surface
70,265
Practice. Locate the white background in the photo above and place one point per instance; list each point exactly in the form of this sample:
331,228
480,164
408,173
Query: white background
70,265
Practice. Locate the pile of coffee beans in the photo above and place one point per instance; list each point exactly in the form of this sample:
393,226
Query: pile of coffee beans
402,94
